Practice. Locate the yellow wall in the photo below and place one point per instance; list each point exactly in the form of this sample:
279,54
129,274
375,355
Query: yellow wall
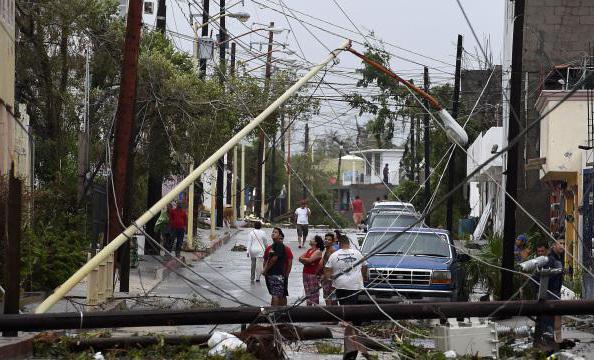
7,67
331,166
7,52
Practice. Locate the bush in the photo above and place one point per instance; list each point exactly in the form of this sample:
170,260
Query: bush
54,244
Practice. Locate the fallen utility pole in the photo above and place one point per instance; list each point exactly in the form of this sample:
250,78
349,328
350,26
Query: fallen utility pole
511,169
289,332
452,164
122,146
256,314
81,273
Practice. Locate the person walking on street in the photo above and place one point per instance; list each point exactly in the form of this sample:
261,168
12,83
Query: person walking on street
256,245
327,288
312,260
163,229
302,222
358,210
272,283
178,220
348,272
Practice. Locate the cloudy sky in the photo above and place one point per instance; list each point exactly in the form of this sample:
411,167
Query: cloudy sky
415,32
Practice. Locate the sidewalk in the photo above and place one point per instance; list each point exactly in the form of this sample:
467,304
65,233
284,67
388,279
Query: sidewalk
143,279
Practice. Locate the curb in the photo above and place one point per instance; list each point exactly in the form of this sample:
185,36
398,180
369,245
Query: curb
20,348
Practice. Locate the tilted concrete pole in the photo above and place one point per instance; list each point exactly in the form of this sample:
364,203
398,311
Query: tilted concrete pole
81,273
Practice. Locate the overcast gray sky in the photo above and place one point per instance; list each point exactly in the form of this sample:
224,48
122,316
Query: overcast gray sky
416,32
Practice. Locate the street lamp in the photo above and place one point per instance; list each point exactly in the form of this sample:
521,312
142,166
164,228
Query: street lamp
453,130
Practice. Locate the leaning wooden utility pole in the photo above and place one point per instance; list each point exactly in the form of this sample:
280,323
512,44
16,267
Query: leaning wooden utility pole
427,141
122,145
511,169
452,163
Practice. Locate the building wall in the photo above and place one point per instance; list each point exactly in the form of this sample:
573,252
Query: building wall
488,110
555,32
391,157
7,66
347,167
563,131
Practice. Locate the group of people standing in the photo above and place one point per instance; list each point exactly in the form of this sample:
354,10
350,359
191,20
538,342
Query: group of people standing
171,227
329,264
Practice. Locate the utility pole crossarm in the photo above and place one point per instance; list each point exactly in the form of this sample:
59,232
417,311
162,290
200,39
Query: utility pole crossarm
79,275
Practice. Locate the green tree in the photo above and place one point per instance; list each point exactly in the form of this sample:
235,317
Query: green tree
385,106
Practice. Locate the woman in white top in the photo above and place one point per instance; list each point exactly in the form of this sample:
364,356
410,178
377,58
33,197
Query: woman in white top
257,243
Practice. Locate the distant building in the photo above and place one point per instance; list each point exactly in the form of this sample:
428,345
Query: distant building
351,170
488,111
376,160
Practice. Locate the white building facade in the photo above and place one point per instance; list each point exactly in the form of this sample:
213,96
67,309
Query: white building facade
375,162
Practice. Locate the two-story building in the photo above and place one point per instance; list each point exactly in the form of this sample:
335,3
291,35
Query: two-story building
563,166
15,147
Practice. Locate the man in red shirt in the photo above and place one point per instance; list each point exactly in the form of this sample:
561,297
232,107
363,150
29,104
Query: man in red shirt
178,221
358,210
288,266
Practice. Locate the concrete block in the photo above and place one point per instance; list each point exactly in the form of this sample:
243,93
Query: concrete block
575,3
563,10
552,19
547,3
586,19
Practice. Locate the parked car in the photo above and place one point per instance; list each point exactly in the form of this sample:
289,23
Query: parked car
389,218
419,264
394,205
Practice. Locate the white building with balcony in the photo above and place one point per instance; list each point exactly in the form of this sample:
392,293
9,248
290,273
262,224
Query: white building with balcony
375,162
485,186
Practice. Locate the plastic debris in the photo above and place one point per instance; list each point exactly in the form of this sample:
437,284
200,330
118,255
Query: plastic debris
450,354
565,355
98,356
221,343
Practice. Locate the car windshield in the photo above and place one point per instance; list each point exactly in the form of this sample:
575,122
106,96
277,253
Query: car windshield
393,220
409,243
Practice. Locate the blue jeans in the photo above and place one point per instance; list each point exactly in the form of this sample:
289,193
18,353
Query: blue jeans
178,235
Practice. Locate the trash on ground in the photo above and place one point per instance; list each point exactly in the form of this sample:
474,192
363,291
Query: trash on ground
221,343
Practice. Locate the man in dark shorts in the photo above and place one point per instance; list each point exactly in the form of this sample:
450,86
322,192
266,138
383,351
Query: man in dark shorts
275,273
288,263
278,262
302,222
348,273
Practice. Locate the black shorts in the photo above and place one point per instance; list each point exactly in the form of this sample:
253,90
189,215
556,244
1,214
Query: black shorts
347,297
